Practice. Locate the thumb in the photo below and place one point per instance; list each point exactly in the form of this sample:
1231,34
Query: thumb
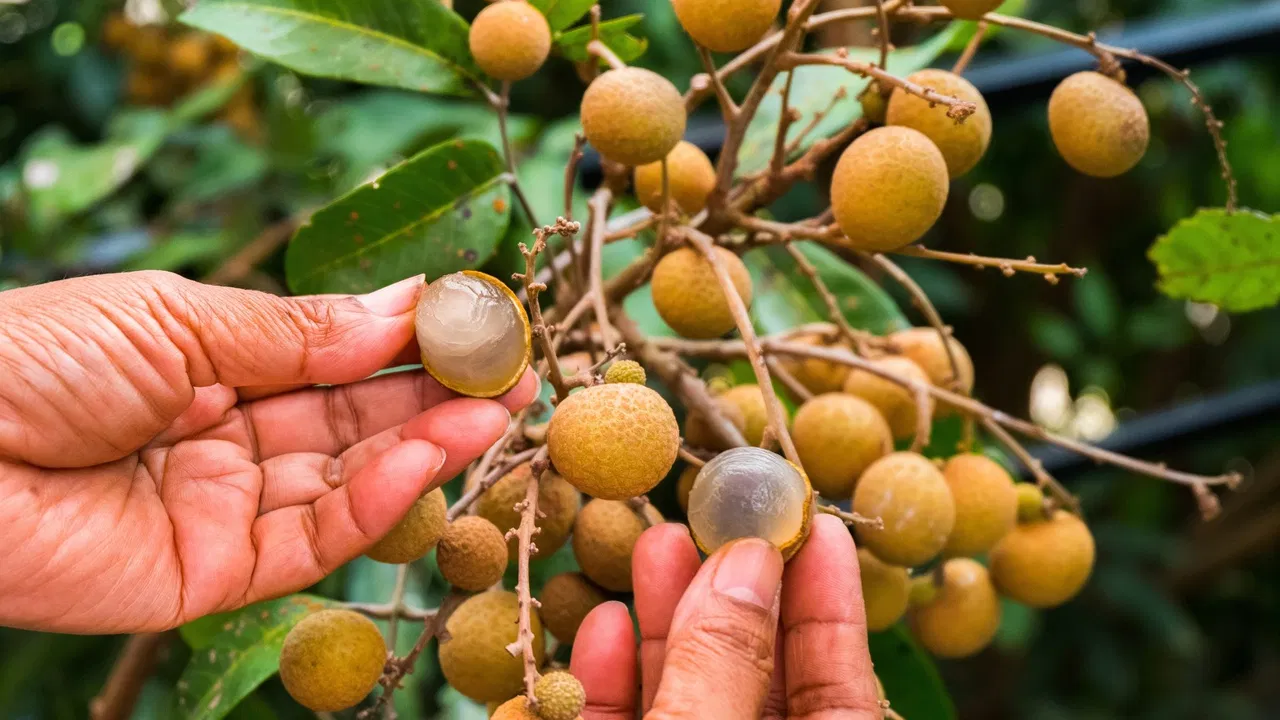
720,649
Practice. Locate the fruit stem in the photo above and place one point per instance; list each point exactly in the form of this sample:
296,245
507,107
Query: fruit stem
523,645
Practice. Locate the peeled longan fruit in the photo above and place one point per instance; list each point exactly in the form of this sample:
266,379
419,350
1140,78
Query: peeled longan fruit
962,144
332,659
690,179
750,492
473,332
473,655
912,499
613,441
889,188
603,539
895,402
560,696
971,9
510,40
633,116
986,503
558,503
472,555
726,25
964,616
837,437
416,533
1098,125
924,347
1044,563
885,589
566,600
690,299
818,376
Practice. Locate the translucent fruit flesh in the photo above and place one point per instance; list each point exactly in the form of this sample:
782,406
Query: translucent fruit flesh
473,333
750,492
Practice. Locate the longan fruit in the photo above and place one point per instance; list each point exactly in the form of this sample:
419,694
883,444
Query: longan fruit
885,589
964,616
614,441
690,299
633,116
626,371
837,437
911,498
742,405
332,659
473,653
698,433
1098,125
558,503
517,708
750,492
416,533
473,332
924,347
567,598
895,402
191,55
818,376
986,503
684,484
971,9
560,696
1044,563
889,188
603,539
117,31
510,40
962,144
690,179
472,554
149,45
726,25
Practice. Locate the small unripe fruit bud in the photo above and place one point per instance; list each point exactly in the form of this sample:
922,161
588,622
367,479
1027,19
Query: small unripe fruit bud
889,188
923,590
473,332
332,659
510,40
560,696
1098,125
633,116
625,371
874,103
750,492
690,179
1030,502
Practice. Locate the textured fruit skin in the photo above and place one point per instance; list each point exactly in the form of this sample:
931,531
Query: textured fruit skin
625,371
986,504
415,534
750,401
1098,125
962,144
837,437
558,504
924,347
698,433
614,441
474,658
633,116
688,296
510,40
684,484
1044,563
472,554
819,376
726,25
910,495
603,540
1030,502
889,188
690,179
884,590
560,696
517,708
332,659
566,600
971,9
964,616
896,403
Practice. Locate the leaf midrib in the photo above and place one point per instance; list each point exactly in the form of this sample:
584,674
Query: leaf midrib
1224,269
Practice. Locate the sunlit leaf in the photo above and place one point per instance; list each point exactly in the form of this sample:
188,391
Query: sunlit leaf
1230,260
614,33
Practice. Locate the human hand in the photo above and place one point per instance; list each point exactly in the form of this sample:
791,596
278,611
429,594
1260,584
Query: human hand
159,460
736,638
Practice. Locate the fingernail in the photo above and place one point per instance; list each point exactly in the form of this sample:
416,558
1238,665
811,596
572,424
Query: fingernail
750,572
395,299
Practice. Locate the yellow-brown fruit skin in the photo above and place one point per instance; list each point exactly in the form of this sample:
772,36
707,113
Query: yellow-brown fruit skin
986,504
684,484
962,144
510,40
566,600
1030,502
885,589
633,116
971,9
1098,125
474,657
603,540
911,497
896,403
560,696
750,402
690,179
889,188
416,533
818,376
614,441
332,659
924,347
698,433
964,616
726,25
1044,563
517,708
626,371
837,437
472,555
688,296
558,504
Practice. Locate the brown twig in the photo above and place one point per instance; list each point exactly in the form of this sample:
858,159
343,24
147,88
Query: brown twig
129,673
690,457
523,645
602,51
1006,266
789,381
857,338
882,27
850,518
388,611
500,105
242,263
1034,466
970,49
599,206
921,300
541,333
956,109
786,118
478,488
728,108
924,420
433,624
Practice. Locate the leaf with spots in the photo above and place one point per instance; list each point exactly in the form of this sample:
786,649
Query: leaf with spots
614,33
1230,260
441,211
245,650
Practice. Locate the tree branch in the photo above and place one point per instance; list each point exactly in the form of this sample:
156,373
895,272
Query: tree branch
1006,266
523,645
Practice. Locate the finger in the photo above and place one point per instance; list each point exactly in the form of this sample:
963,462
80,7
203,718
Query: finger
663,565
604,661
720,648
465,426
775,702
829,675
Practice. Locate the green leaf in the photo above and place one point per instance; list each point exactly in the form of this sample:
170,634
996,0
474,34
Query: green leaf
814,91
911,680
227,665
562,13
614,33
412,45
1230,260
441,211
